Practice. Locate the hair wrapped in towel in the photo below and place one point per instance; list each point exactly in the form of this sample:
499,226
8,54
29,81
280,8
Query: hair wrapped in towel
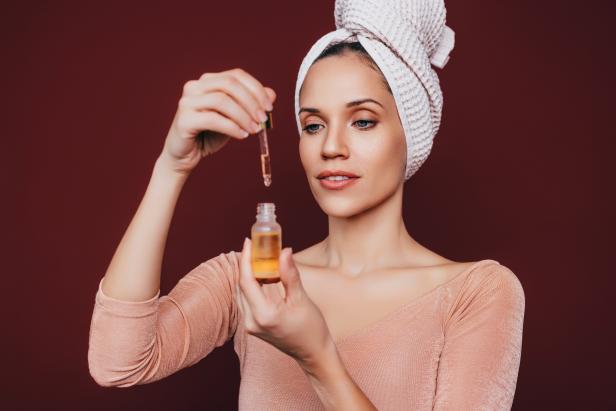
405,38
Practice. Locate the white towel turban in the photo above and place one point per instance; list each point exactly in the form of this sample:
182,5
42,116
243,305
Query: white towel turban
404,38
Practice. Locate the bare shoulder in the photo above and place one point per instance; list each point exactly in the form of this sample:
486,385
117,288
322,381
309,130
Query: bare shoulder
433,268
309,256
445,271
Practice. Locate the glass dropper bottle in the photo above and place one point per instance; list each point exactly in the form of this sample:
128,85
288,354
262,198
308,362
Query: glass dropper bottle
266,236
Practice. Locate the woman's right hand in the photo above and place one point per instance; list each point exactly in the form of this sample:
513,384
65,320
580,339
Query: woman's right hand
213,109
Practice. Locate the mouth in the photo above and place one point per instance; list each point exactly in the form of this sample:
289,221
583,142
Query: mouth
336,179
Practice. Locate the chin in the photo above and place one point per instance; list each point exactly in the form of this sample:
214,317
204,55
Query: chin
340,208
346,204
340,205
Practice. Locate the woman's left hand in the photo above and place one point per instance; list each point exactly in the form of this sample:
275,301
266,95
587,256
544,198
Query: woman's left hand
283,314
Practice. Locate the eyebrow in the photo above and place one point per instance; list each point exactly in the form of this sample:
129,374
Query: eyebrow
348,105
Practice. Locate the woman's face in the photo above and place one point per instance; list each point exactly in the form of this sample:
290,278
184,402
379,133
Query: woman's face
364,138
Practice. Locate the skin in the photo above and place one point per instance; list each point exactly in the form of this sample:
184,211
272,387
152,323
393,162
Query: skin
365,268
368,265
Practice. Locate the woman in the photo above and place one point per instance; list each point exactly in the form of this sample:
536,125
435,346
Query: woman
365,319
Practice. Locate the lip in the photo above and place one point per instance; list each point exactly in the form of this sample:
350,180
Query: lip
327,173
337,185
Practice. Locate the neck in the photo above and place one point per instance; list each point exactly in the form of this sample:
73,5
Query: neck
376,238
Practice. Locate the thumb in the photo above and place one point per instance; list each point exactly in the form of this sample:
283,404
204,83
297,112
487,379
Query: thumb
289,275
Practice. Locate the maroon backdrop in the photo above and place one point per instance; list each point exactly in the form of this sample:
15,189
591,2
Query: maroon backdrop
520,172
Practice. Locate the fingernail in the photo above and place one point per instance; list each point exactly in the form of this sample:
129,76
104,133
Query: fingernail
262,116
256,128
245,133
269,106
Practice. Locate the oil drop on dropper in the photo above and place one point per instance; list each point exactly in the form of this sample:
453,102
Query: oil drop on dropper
266,236
266,169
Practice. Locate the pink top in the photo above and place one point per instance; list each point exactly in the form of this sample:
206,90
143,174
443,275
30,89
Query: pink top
456,347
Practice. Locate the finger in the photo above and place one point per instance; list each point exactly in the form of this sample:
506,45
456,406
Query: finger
248,284
231,85
238,300
247,317
197,121
242,302
254,86
273,292
224,104
281,291
271,94
289,275
211,143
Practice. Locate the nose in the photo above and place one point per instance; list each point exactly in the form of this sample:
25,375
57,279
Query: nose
334,144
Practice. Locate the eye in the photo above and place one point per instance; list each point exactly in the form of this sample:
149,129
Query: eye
358,122
310,130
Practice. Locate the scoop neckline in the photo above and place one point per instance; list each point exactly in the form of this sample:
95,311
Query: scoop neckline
411,303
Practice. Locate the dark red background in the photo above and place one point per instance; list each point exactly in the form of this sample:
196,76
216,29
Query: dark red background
521,172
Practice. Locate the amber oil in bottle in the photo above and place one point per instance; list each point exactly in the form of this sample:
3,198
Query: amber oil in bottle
266,236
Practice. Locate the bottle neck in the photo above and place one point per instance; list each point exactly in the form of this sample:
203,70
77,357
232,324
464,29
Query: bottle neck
266,212
266,217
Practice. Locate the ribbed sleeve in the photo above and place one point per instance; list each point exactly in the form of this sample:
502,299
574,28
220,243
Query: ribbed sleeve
479,364
140,342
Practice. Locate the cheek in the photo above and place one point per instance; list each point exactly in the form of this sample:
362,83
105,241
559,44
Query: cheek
306,153
396,153
302,152
383,157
